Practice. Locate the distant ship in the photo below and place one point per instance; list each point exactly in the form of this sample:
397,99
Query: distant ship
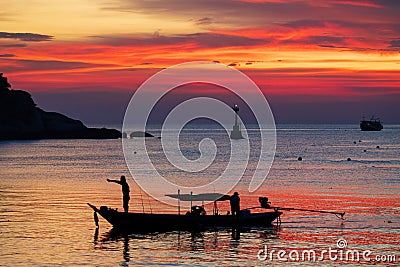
374,124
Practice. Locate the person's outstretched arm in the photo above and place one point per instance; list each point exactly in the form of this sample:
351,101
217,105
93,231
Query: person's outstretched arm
113,181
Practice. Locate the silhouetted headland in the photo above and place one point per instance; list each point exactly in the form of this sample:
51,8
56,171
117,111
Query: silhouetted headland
141,134
20,119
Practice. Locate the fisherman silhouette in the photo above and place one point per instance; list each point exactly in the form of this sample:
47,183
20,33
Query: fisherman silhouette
125,191
235,204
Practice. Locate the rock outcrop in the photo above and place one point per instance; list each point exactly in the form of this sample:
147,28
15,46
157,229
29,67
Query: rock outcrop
21,119
140,134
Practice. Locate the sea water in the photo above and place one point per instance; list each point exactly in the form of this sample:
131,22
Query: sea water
45,185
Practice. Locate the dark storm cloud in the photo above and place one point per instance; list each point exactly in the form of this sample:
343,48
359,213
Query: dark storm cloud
210,40
328,46
395,43
389,49
204,21
381,27
325,41
11,65
13,45
390,4
333,24
375,89
357,32
7,55
302,24
221,12
248,13
26,37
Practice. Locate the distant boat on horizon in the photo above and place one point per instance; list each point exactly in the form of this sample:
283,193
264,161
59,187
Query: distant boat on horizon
374,124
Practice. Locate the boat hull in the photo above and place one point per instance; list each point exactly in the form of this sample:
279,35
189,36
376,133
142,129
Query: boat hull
146,222
370,126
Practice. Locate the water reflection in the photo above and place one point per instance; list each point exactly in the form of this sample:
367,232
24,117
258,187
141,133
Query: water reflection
126,249
96,236
235,233
233,242
196,241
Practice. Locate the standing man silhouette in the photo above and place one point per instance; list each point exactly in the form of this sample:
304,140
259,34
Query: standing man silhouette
235,204
125,191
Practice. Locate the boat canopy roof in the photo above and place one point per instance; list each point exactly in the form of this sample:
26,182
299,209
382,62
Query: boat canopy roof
200,197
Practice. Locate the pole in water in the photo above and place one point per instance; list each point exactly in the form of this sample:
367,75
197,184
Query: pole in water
341,214
96,219
179,202
141,198
191,201
148,199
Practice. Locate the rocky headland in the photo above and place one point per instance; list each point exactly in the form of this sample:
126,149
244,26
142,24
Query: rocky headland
21,119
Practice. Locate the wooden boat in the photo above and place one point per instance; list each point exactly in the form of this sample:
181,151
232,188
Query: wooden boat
196,219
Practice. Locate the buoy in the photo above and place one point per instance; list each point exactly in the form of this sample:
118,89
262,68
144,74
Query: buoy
299,158
348,159
355,142
134,152
359,141
377,147
365,150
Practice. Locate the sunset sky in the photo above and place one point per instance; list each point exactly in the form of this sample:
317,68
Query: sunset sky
315,61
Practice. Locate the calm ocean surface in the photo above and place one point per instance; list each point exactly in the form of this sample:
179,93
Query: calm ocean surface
45,185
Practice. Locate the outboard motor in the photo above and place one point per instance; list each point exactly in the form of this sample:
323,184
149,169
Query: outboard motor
264,202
